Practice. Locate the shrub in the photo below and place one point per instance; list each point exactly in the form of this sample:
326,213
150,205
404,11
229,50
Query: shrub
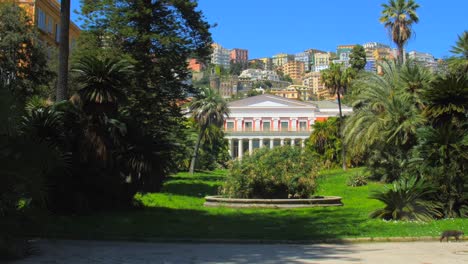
357,180
283,172
407,199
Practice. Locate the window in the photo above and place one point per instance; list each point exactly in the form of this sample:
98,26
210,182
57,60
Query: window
50,25
266,125
229,126
284,125
57,33
303,126
41,19
248,126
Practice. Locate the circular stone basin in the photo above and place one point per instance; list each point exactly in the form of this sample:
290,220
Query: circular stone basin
215,201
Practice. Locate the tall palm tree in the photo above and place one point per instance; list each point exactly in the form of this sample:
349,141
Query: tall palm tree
64,51
398,17
208,108
337,80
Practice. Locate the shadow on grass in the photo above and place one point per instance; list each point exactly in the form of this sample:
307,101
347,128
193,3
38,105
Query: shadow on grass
197,189
165,223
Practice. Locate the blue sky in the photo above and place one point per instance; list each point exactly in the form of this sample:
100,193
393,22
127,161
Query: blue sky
268,27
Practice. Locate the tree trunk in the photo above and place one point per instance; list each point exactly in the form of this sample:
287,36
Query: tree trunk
62,80
195,151
343,145
401,58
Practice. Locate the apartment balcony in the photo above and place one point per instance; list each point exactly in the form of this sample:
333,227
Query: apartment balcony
273,134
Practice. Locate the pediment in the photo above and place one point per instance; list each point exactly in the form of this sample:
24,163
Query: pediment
268,104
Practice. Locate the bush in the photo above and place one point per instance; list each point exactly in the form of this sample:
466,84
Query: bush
283,172
357,180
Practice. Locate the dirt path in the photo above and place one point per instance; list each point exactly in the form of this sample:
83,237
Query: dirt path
77,252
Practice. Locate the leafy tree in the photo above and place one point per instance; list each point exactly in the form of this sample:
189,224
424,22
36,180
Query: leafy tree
64,50
236,68
23,64
159,37
208,108
443,142
357,58
398,17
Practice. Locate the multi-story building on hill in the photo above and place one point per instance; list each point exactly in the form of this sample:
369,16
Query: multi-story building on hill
424,59
258,75
295,69
45,15
322,61
304,57
313,80
220,56
239,56
342,53
281,59
195,65
267,64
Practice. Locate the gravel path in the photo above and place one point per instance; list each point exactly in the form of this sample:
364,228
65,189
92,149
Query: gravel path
78,252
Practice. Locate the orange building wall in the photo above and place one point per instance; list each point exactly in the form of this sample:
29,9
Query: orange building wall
51,9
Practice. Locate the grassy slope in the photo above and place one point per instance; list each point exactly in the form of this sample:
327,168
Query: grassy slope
178,212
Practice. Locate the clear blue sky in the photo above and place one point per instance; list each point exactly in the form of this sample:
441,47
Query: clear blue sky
268,27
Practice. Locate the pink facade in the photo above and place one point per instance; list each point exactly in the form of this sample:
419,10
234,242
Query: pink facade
239,56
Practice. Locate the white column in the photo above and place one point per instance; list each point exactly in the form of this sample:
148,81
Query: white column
292,142
294,124
275,124
257,124
250,146
239,124
303,143
282,142
240,148
261,143
231,147
272,143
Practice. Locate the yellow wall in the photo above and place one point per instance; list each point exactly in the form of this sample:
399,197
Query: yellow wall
51,9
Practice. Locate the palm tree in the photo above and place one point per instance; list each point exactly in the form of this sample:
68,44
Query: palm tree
208,108
460,50
398,17
337,81
386,120
64,51
102,81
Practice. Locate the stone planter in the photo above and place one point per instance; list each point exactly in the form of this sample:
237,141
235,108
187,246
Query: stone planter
219,201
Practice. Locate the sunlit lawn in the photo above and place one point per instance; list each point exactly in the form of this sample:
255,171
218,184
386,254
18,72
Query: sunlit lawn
178,213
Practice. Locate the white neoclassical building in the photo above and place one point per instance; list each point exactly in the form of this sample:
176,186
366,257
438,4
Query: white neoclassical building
268,120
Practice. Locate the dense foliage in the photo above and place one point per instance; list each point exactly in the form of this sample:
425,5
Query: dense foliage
409,121
281,173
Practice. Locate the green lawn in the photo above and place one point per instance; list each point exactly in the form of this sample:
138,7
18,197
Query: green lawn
178,213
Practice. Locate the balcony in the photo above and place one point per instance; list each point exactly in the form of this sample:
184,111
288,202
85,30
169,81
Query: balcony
267,133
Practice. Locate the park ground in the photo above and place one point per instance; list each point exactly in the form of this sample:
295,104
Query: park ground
77,252
177,214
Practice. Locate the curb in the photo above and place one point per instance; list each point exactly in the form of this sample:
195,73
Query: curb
255,241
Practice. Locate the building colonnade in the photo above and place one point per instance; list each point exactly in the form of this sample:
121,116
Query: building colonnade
238,147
